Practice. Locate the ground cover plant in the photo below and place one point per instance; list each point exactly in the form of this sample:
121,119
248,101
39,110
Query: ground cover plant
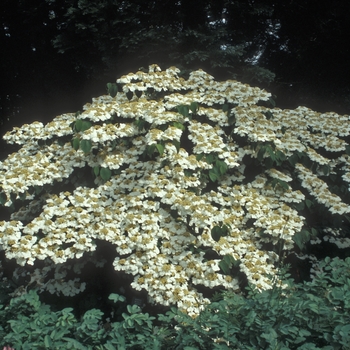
198,185
310,315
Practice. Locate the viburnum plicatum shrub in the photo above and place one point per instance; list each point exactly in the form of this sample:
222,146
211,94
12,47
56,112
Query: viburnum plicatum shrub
189,178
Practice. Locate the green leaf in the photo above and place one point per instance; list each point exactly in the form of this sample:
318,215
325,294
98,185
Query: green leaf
184,110
347,150
150,149
112,89
105,174
229,259
199,156
261,153
309,203
176,144
225,267
160,148
280,156
96,170
3,198
325,169
73,343
272,102
225,107
85,146
268,163
271,152
82,125
268,115
283,184
116,297
140,123
299,206
76,143
314,232
78,125
214,174
300,238
47,341
179,126
217,232
86,125
194,107
210,158
231,119
293,160
221,166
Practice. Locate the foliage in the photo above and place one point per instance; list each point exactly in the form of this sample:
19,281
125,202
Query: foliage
145,32
313,315
191,180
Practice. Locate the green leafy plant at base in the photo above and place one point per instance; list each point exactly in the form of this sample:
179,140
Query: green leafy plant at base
312,315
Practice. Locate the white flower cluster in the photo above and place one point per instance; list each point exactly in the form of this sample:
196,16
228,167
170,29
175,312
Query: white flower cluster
170,180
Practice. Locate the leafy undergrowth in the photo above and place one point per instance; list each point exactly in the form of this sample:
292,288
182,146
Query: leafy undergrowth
312,315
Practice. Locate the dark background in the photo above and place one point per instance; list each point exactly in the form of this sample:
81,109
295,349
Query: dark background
57,55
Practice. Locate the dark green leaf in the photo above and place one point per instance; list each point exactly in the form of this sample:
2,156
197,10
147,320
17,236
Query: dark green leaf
225,107
47,341
325,169
86,125
268,115
230,260
105,174
96,170
347,150
140,123
176,144
293,160
150,149
3,198
225,267
179,126
214,174
112,89
272,102
283,184
78,125
184,110
231,119
76,143
210,158
160,148
271,152
300,238
199,156
309,203
217,232
85,146
221,166
261,153
280,156
299,206
194,107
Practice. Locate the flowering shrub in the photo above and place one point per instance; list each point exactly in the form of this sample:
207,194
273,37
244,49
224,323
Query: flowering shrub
187,178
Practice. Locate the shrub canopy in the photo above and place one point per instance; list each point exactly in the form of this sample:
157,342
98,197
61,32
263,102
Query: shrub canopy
189,178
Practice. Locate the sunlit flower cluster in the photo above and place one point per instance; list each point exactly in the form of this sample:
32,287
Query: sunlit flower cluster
169,187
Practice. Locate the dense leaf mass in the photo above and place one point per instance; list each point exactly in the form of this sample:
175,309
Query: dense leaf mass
187,178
